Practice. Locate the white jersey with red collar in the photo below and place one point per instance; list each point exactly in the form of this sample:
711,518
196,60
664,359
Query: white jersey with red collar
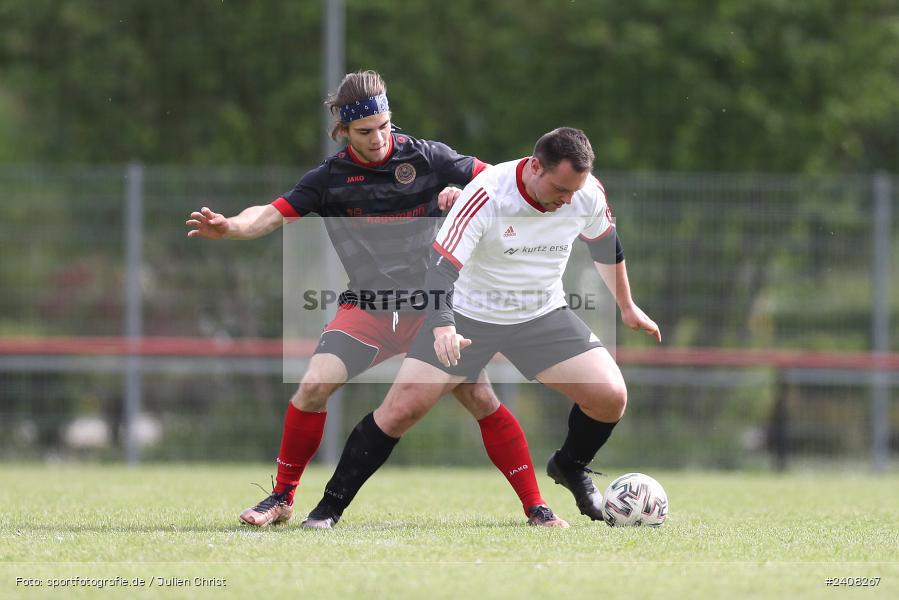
512,253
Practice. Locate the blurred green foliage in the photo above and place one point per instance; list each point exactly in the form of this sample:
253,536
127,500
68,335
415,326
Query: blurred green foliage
713,85
698,85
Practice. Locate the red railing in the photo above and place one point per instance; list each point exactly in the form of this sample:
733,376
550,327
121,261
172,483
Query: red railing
275,348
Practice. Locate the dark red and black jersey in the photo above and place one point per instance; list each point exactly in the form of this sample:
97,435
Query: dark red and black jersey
376,214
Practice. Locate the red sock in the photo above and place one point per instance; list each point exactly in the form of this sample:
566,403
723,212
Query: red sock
303,433
508,449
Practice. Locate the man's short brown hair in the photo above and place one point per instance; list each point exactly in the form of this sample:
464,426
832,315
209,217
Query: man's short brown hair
565,143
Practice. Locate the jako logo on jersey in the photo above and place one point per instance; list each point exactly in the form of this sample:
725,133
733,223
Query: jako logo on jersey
509,233
355,179
404,173
518,470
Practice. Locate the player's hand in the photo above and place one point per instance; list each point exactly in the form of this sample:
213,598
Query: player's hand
448,197
634,317
207,224
448,345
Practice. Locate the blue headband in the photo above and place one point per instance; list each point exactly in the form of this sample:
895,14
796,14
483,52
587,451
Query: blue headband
364,108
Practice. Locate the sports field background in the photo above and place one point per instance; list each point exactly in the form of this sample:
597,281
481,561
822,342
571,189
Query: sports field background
750,151
446,533
767,290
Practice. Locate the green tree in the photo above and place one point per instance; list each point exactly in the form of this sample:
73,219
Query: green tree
702,85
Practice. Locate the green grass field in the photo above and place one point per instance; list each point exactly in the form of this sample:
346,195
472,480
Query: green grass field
442,533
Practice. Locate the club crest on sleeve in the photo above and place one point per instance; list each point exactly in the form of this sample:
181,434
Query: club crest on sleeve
404,173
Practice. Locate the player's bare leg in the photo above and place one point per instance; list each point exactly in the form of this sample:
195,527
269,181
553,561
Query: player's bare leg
418,386
478,398
594,382
325,375
303,428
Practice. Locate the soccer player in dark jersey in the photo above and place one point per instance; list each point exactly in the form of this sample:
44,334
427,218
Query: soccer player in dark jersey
379,175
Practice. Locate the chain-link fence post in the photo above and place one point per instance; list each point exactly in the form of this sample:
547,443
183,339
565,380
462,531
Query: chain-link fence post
880,320
134,217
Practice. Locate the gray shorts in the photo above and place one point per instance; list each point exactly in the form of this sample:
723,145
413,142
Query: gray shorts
532,346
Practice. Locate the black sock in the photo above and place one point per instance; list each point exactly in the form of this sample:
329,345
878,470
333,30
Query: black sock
365,451
585,437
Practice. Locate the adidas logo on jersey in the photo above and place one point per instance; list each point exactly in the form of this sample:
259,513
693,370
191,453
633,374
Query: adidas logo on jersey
509,233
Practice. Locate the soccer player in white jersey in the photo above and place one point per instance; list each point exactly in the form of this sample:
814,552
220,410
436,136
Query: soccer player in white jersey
499,260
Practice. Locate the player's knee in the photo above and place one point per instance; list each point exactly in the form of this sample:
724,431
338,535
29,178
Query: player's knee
313,393
616,399
401,415
606,402
482,394
405,417
479,399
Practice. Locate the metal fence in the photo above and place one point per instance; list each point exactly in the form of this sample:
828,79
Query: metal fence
724,263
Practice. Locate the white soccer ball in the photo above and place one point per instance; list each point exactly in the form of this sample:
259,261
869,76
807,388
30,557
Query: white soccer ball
635,499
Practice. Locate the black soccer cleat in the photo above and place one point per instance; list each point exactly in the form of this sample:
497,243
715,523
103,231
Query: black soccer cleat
321,517
579,483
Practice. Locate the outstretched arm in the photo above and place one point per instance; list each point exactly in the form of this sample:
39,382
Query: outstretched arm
251,223
615,278
608,258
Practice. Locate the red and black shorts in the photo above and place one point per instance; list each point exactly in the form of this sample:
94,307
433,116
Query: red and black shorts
364,338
